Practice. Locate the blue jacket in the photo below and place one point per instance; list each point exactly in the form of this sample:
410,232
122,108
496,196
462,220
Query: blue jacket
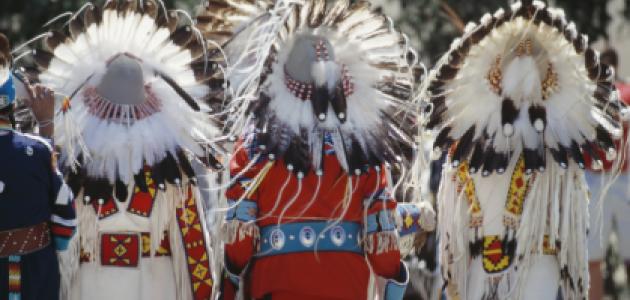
32,189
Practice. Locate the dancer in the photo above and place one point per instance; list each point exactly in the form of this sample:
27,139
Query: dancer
128,129
518,101
325,113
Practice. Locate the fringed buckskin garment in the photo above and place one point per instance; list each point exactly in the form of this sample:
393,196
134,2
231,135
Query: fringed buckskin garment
518,101
134,118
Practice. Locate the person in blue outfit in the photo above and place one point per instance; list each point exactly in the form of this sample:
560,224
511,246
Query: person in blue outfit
37,217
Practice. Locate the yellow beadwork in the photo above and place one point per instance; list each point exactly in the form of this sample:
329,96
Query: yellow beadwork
469,188
518,189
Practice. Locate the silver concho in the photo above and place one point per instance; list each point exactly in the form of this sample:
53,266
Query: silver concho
307,236
1,187
277,239
338,235
29,150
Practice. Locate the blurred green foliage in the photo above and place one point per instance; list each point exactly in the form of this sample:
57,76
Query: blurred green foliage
432,30
21,20
425,21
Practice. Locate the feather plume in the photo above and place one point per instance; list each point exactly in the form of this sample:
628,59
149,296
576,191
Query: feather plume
542,88
116,139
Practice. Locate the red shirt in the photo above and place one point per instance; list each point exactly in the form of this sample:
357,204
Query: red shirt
325,275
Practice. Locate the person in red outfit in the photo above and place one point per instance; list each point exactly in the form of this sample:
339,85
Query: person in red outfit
321,203
311,208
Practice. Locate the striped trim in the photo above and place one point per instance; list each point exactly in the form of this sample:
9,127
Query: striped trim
64,196
15,278
65,222
60,230
41,140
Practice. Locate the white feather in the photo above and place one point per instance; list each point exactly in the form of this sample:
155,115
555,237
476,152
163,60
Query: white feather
521,79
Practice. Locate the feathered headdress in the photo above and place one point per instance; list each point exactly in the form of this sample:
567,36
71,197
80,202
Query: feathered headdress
523,79
335,70
135,82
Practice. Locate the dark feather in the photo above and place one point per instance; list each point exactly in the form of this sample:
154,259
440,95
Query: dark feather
54,39
121,191
97,189
455,58
476,159
580,43
482,31
319,101
185,165
76,27
446,72
522,11
141,181
602,94
559,23
560,156
589,149
475,247
128,6
464,146
298,154
170,169
591,62
75,181
488,161
336,11
541,159
339,103
509,113
92,16
179,90
317,12
182,36
150,8
195,47
538,113
439,104
211,161
168,21
543,16
158,176
435,87
42,58
501,161
507,15
438,108
111,5
531,160
604,139
5,50
443,140
605,72
356,157
576,154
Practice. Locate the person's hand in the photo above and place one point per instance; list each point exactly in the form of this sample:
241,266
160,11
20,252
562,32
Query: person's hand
41,101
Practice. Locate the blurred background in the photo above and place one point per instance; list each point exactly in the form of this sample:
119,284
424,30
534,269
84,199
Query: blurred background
431,25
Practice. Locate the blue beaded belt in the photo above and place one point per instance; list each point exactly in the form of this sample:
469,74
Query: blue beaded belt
310,237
